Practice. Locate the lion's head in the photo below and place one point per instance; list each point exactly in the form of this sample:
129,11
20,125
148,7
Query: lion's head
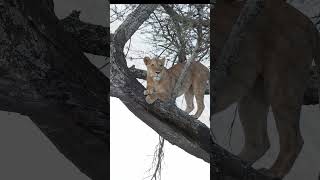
155,67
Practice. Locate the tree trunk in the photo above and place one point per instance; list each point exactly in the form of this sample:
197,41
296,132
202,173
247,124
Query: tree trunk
45,76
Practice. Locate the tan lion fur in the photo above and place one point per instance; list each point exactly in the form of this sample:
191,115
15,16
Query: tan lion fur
161,82
275,59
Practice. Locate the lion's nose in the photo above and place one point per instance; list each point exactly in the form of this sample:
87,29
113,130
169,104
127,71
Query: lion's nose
158,72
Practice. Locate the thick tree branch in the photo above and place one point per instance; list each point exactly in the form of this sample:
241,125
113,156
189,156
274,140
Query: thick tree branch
189,61
180,33
167,120
91,38
45,76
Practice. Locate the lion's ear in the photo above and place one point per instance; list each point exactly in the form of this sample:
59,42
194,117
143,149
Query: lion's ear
163,60
146,60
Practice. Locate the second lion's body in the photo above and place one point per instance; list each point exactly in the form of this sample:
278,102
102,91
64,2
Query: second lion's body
162,81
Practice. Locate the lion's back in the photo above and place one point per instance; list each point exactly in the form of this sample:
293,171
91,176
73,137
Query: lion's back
195,69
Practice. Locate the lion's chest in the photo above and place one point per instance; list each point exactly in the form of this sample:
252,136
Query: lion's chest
163,86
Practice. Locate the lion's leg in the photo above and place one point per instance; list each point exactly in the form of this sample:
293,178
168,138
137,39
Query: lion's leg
285,88
253,110
151,98
200,104
199,90
188,95
148,91
291,142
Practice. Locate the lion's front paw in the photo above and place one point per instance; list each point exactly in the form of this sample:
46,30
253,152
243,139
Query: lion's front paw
149,100
148,91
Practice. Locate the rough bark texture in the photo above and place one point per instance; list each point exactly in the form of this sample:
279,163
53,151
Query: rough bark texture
166,119
91,38
96,40
45,76
182,56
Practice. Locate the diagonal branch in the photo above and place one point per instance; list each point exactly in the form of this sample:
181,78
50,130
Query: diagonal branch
167,120
180,33
189,61
140,13
91,38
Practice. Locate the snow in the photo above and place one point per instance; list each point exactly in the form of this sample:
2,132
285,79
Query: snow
141,139
132,152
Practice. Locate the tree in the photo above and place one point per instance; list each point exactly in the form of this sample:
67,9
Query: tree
44,75
164,28
165,118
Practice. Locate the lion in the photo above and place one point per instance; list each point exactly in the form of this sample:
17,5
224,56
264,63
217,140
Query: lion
275,58
161,82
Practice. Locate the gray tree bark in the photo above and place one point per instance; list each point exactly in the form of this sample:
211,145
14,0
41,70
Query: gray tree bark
166,119
44,75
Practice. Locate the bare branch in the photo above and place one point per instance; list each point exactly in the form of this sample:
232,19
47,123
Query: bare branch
91,38
180,33
168,121
157,160
189,61
138,15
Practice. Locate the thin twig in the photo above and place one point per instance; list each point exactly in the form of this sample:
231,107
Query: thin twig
189,61
128,48
232,124
157,160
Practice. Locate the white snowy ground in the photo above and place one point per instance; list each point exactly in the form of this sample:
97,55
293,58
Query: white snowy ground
132,152
132,147
26,153
140,140
177,163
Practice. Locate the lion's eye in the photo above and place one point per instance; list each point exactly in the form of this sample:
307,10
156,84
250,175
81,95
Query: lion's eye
161,65
152,64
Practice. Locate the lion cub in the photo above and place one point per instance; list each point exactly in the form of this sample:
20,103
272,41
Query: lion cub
161,82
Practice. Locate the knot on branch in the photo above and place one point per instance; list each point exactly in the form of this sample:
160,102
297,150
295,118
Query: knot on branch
75,14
